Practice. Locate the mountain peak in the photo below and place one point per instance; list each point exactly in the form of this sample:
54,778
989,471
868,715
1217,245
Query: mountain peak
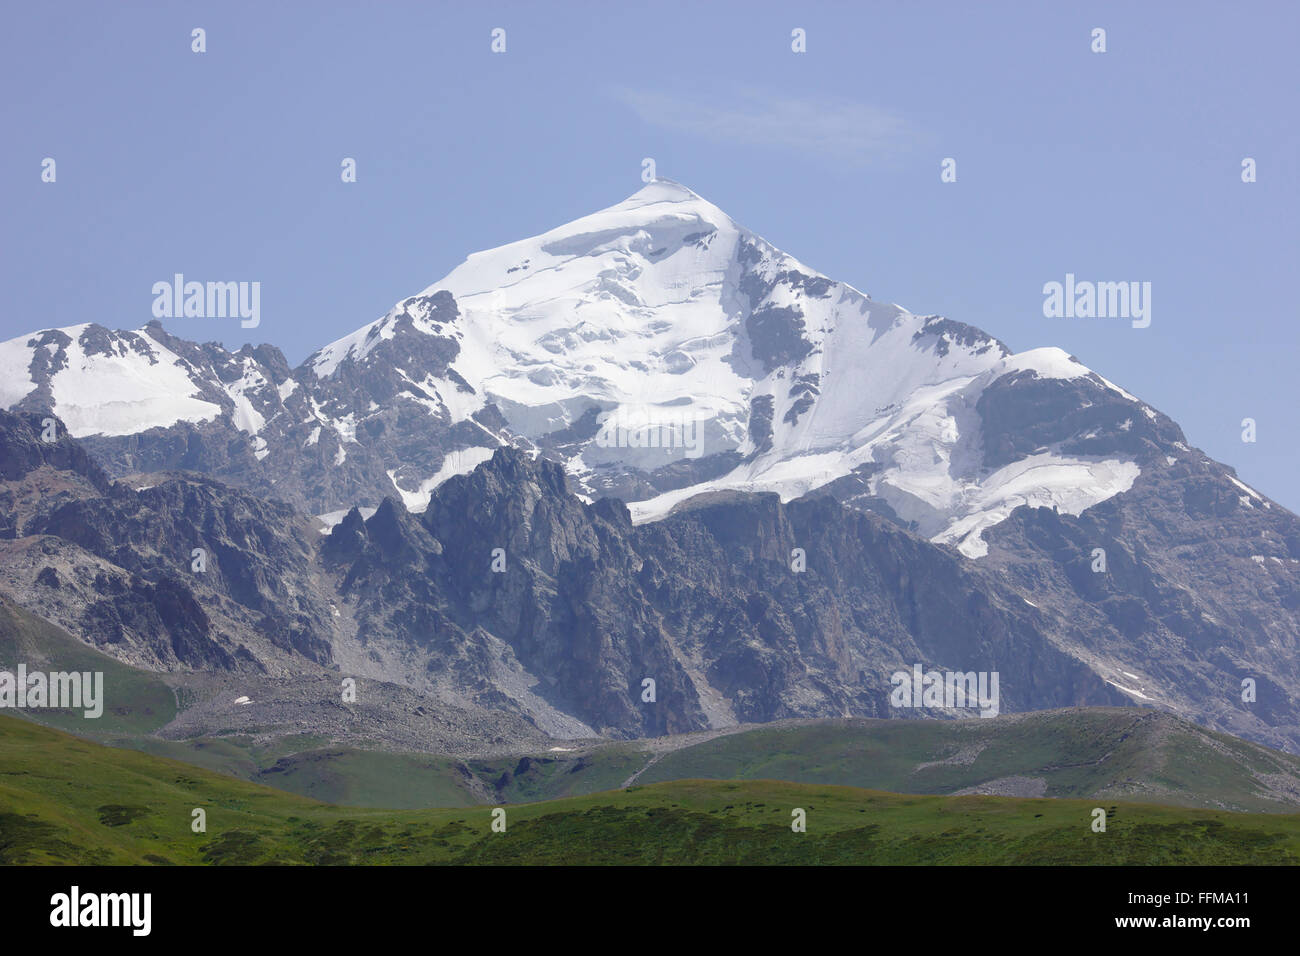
656,349
664,190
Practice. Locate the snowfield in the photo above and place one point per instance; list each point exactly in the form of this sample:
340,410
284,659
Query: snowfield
121,393
640,307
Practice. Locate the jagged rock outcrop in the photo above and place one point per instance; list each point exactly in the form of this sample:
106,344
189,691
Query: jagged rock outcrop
182,571
705,603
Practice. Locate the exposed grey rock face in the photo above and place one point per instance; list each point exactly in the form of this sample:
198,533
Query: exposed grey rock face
185,572
1021,413
705,603
511,595
1199,593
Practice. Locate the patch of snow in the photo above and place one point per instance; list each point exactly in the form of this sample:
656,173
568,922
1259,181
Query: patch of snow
458,462
1246,488
330,519
1129,690
244,416
1111,385
1070,485
346,428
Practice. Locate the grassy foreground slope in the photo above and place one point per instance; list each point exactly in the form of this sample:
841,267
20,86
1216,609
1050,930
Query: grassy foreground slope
67,800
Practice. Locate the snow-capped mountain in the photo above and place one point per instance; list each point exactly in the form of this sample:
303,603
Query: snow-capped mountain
656,348
1008,512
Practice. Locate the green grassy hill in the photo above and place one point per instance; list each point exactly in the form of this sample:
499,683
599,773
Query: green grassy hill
136,702
334,774
1088,753
64,799
1101,752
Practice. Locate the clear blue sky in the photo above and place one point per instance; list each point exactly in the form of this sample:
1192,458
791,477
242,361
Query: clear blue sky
1115,166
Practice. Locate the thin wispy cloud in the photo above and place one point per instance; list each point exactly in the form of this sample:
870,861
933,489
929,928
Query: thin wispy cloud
841,129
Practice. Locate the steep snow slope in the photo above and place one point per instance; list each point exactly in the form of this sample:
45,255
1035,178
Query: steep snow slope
693,337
